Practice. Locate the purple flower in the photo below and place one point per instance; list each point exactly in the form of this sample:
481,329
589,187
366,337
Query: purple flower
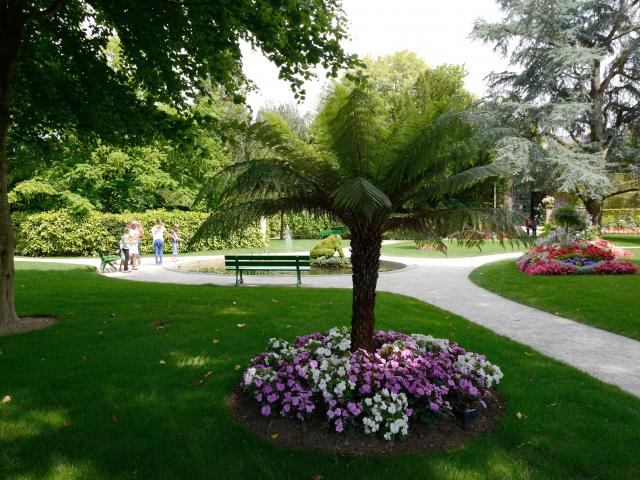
266,410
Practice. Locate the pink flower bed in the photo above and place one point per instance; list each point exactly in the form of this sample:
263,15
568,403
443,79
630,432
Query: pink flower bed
408,378
600,257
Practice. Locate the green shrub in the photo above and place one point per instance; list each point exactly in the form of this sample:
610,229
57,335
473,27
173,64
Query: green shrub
621,217
568,217
304,225
330,263
60,233
327,248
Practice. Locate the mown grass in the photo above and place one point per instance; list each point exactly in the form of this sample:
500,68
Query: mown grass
624,240
610,302
91,400
454,250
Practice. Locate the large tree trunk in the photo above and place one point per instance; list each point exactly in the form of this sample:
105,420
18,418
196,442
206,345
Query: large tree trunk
11,24
594,208
365,260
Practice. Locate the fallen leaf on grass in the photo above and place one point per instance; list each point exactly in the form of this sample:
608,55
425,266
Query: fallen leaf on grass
317,476
114,419
527,353
275,436
208,374
162,362
197,383
65,424
237,367
519,415
274,300
215,340
233,303
6,399
241,325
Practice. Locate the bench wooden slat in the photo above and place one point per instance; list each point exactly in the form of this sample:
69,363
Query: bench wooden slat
246,263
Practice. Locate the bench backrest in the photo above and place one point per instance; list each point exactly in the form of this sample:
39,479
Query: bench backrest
266,261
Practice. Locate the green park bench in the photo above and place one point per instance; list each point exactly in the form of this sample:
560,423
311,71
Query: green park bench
285,263
332,231
107,260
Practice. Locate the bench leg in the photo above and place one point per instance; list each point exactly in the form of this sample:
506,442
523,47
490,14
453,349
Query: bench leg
299,280
237,278
241,279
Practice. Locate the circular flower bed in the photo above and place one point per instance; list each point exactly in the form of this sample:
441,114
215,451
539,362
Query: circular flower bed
599,257
409,378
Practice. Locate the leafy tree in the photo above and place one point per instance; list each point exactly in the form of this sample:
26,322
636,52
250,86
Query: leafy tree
372,173
55,74
574,98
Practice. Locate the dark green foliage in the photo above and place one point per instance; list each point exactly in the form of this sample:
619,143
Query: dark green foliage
327,247
568,217
60,233
87,392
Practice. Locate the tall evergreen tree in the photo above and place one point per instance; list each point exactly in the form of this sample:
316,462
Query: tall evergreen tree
573,97
55,72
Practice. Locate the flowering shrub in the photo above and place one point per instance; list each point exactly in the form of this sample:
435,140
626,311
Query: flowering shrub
407,377
574,258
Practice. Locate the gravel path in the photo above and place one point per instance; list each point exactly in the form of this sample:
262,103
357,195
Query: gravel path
609,357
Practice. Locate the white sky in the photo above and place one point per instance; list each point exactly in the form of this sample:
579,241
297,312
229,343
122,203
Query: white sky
438,31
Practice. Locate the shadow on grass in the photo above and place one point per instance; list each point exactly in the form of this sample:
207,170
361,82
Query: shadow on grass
130,416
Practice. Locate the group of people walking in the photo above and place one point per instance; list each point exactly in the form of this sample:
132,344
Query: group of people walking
131,240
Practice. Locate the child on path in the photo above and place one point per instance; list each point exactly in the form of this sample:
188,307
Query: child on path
158,231
175,239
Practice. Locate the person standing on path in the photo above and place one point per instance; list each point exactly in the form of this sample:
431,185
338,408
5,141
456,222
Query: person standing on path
134,242
158,231
137,231
175,239
125,243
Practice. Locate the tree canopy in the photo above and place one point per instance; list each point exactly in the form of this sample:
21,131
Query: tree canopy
573,99
374,172
58,76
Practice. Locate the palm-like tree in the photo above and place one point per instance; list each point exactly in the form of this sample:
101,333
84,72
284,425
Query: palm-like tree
373,174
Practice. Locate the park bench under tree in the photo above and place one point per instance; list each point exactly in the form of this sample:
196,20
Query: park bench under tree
286,263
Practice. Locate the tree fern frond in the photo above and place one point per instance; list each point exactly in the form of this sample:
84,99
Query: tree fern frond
360,195
453,184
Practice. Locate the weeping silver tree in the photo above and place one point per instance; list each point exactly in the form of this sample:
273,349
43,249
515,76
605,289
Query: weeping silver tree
574,98
372,173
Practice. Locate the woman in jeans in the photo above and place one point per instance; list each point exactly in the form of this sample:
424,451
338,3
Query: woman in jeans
158,231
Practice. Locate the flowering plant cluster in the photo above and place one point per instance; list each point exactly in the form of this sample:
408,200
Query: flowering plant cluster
407,377
575,257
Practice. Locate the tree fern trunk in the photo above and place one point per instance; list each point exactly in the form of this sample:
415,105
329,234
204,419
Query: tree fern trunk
594,208
365,260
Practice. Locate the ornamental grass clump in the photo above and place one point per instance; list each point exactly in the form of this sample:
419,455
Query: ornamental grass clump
599,257
407,378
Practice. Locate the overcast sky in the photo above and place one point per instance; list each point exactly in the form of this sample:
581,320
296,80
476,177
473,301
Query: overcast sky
438,31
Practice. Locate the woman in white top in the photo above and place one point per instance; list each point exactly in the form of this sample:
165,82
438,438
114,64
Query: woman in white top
134,250
158,232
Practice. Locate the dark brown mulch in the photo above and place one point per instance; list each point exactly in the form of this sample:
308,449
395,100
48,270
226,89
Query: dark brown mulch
26,324
313,435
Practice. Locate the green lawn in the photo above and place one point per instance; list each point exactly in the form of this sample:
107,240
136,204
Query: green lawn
408,249
623,240
609,302
91,400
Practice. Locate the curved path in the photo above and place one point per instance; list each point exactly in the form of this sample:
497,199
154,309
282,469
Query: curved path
445,283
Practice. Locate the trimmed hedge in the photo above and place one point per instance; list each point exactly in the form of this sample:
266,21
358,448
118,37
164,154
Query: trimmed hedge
304,225
613,217
60,233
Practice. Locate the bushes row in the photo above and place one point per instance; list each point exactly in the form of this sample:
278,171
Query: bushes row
60,233
303,225
620,217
